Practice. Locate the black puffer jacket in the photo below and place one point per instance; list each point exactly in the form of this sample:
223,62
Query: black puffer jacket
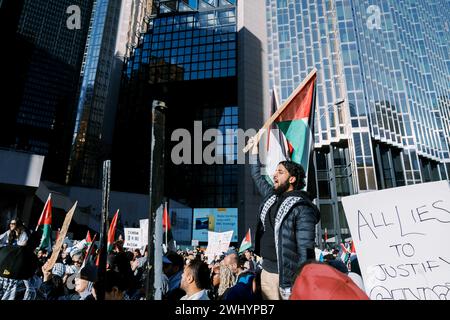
296,229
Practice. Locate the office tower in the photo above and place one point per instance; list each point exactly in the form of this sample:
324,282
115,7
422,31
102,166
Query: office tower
189,59
382,117
40,71
115,27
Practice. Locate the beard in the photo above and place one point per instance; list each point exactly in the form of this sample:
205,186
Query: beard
282,188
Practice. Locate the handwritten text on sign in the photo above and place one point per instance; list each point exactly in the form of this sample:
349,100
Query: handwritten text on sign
132,238
402,240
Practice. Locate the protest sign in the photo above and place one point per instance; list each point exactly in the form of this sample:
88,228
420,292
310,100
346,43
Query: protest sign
218,243
132,238
62,235
402,240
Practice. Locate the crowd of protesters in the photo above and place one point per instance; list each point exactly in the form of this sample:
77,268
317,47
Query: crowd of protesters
186,274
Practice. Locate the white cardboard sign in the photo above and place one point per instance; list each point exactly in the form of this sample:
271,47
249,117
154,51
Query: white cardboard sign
218,242
402,241
132,238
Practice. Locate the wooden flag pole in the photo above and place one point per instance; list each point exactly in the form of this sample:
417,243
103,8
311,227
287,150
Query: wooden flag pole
257,137
58,245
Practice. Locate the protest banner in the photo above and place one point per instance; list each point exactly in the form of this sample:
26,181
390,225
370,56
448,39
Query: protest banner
402,238
218,243
62,235
132,238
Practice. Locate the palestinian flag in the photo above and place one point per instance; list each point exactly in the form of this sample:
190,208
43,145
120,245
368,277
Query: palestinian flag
112,231
246,242
90,249
88,238
296,121
46,222
167,231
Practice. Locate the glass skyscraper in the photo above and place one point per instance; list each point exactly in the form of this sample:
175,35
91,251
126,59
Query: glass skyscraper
187,59
41,70
382,98
87,148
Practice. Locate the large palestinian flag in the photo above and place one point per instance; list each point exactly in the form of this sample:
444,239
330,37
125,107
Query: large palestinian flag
296,121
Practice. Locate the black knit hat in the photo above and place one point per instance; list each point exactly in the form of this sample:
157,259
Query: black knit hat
88,272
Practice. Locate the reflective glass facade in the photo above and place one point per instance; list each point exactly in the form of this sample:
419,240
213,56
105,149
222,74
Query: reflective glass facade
187,59
43,70
88,151
189,45
383,87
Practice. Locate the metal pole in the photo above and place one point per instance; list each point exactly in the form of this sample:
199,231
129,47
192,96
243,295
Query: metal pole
103,232
317,203
154,262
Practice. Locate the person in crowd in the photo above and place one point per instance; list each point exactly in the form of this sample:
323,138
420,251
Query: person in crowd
338,265
83,284
136,254
227,280
115,286
174,272
118,246
18,271
65,257
52,286
215,281
42,255
73,263
286,226
195,281
319,281
42,259
121,262
245,288
251,263
231,260
16,235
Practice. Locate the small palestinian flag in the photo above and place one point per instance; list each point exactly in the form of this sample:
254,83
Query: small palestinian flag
167,231
88,238
246,242
46,222
112,231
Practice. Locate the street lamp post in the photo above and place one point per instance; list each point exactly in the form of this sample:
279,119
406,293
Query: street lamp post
154,262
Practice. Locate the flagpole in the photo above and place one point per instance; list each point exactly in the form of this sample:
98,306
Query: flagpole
156,193
267,124
103,225
167,227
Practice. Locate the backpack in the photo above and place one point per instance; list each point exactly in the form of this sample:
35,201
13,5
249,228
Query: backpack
17,262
